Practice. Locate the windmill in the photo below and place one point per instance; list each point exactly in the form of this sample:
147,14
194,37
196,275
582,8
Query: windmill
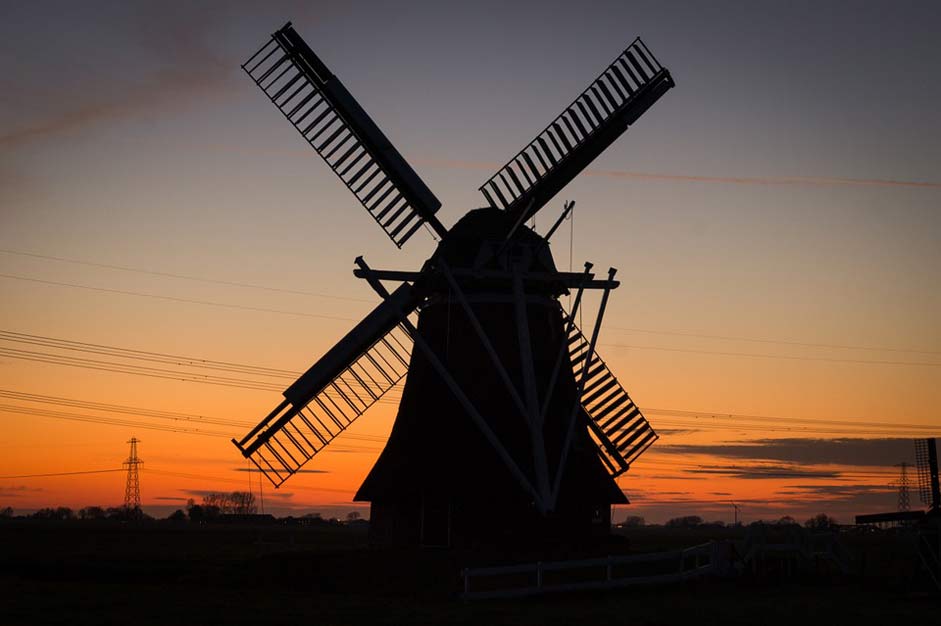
510,423
926,463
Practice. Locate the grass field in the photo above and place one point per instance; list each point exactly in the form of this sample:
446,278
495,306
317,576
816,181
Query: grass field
108,573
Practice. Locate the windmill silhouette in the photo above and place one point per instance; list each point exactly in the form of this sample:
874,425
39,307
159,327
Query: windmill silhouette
510,424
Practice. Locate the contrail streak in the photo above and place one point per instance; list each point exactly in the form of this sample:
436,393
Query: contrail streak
729,180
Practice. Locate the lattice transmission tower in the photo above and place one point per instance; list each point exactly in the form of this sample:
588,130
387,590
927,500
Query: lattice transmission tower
903,484
132,487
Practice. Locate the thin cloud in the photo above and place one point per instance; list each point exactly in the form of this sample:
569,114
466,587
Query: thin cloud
828,181
278,495
763,472
190,67
841,451
677,431
768,180
18,491
836,490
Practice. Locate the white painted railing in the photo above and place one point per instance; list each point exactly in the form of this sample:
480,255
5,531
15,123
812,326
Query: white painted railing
691,562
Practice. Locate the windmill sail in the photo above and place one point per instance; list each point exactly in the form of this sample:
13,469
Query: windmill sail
333,123
926,462
598,116
351,377
614,421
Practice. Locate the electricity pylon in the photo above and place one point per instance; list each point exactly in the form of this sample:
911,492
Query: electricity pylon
132,487
903,484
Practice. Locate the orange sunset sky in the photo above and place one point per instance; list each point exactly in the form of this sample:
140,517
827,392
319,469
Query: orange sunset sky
775,220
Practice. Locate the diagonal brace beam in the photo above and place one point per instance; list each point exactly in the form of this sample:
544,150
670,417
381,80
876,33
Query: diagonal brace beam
527,367
563,349
484,339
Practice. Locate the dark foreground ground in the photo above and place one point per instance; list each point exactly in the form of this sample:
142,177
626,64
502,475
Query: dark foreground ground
109,573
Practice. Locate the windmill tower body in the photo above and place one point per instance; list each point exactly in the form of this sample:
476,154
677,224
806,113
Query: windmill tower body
439,481
510,424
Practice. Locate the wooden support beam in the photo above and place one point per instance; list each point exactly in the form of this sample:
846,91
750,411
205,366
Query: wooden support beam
540,464
578,402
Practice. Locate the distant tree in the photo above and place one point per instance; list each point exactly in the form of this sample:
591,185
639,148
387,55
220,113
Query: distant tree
92,512
242,503
44,513
219,501
687,521
634,521
787,520
125,514
821,521
237,502
116,513
717,524
195,513
352,516
64,513
58,513
6,512
177,516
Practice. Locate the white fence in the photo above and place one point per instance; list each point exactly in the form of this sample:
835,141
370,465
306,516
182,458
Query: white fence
601,573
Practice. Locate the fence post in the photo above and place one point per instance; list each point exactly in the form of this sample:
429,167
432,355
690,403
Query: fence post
539,575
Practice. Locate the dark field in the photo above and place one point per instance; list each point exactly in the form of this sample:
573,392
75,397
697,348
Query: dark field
106,573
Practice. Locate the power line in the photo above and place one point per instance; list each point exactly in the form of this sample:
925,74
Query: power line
673,333
126,423
103,471
117,408
143,355
779,418
176,299
95,419
147,356
146,412
772,356
848,426
41,412
351,299
337,318
259,385
121,368
201,279
793,430
772,341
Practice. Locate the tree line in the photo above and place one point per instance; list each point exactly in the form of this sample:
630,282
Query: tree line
213,506
821,521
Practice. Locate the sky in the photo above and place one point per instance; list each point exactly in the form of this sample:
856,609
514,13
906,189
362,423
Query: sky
775,220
